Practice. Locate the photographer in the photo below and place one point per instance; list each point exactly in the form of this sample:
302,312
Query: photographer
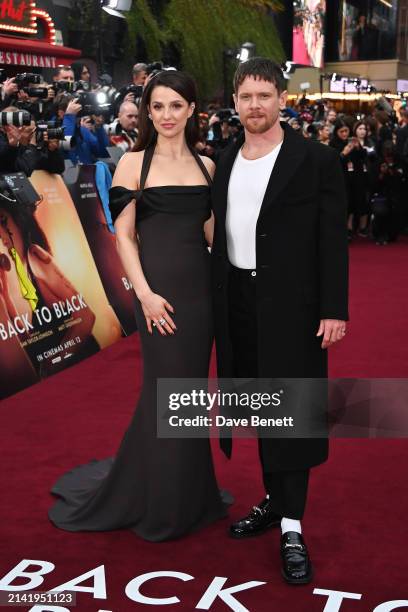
123,131
26,148
139,74
28,92
388,206
64,73
9,88
89,137
224,128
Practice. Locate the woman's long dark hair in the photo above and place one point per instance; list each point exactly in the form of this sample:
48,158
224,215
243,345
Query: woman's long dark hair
185,86
23,216
336,141
77,68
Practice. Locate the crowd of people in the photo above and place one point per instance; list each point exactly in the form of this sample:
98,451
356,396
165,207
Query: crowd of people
72,119
43,124
373,149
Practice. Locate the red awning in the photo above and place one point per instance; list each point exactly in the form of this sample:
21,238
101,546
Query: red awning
32,53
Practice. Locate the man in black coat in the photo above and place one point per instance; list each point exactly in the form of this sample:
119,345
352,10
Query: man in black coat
280,273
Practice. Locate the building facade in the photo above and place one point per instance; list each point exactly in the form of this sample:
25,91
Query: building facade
365,39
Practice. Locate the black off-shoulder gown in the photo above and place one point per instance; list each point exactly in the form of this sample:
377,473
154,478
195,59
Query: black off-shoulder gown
160,488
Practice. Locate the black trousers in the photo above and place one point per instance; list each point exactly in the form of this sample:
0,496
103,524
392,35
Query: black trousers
287,489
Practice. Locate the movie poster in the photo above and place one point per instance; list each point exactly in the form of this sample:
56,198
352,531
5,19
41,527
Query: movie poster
308,32
81,182
53,308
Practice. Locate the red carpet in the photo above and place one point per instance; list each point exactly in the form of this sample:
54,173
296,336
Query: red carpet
300,54
356,521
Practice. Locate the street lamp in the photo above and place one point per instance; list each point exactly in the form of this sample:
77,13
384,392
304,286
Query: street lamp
243,53
115,7
246,51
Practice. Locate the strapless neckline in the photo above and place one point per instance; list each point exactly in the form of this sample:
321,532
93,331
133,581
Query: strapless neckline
177,187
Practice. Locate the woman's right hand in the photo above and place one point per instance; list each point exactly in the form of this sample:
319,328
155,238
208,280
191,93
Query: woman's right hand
155,309
347,149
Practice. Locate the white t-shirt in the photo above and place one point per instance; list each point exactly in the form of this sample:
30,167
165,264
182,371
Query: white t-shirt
248,181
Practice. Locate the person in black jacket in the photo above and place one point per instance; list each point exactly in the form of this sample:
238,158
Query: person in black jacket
354,159
280,285
20,153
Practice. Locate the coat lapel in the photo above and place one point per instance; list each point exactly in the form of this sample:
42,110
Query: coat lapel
292,153
290,156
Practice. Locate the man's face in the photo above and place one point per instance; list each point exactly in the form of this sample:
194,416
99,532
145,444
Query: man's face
258,104
65,75
139,78
331,116
128,118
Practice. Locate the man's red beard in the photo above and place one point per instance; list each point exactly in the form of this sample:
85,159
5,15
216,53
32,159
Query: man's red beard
260,127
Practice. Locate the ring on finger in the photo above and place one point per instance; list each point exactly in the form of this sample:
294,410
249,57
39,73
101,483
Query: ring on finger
162,321
154,324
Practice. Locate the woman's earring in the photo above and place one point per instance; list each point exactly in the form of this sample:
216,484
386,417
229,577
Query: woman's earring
149,115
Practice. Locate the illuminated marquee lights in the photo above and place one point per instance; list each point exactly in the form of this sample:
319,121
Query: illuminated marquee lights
49,23
35,14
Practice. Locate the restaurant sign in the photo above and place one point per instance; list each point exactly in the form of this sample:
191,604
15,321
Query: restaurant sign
30,60
18,16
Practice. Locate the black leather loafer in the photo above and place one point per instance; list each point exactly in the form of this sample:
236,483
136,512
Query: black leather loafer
296,565
260,519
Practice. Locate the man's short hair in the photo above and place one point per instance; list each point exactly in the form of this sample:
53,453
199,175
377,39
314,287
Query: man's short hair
140,67
62,69
122,107
260,68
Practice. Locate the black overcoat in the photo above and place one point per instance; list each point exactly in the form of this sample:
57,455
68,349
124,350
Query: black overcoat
302,275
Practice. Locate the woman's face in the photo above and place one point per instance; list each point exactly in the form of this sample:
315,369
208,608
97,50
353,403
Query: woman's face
85,74
169,111
361,131
343,132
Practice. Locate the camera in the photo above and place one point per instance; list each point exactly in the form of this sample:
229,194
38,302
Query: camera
224,114
16,118
154,68
93,103
34,108
64,86
3,75
25,78
53,128
136,90
82,85
17,189
36,92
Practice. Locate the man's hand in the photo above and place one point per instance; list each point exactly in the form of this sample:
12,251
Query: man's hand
332,331
98,120
86,122
27,133
13,135
52,144
10,87
73,107
51,92
130,97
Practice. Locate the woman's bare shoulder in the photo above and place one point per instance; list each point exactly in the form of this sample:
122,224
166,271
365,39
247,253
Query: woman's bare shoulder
127,173
209,164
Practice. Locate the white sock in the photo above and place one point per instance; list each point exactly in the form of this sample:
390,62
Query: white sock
288,524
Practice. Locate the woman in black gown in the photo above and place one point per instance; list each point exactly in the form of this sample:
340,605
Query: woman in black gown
160,488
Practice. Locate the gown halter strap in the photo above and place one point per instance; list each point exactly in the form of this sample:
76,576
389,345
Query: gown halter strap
147,160
120,197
